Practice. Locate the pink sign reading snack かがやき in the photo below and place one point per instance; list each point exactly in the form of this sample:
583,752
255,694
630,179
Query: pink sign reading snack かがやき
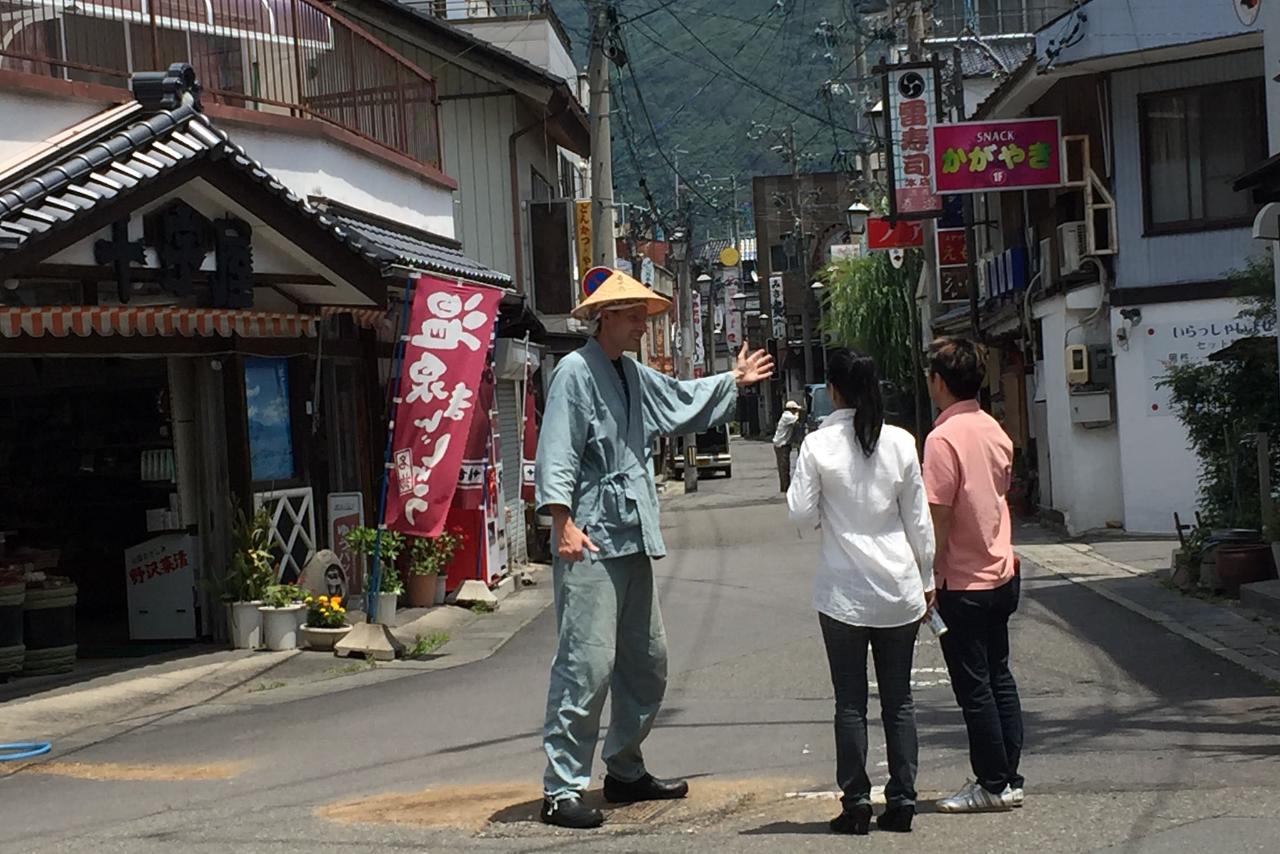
971,157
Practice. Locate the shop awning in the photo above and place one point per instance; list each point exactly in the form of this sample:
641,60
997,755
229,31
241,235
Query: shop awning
83,322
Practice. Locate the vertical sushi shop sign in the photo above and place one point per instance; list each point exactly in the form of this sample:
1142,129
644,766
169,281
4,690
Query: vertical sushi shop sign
911,113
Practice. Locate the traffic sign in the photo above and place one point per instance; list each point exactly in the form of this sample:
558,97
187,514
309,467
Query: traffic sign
594,278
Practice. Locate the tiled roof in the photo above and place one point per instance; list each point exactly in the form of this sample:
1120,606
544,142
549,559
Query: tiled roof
410,248
138,153
96,167
710,251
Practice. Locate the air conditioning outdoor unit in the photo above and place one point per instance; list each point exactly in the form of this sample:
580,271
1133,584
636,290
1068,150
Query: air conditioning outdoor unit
1072,247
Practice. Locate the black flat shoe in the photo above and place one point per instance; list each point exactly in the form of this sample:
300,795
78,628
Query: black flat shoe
647,788
571,813
897,819
855,820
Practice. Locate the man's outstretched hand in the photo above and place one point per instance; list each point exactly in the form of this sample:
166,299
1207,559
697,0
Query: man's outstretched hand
752,368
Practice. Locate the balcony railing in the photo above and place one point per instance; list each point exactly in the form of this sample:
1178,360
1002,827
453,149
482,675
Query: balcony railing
287,57
463,11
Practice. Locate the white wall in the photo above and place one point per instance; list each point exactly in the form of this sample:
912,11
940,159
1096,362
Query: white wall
533,40
1193,257
1084,463
1160,470
30,120
310,166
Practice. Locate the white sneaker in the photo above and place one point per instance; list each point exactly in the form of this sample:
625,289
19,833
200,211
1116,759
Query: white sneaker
1017,796
974,798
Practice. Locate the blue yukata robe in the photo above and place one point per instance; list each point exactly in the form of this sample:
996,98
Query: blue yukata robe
595,457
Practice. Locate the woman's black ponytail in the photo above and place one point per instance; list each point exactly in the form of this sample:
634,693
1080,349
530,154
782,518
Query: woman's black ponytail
854,375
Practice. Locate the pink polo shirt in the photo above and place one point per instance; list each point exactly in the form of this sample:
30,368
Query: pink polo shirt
968,460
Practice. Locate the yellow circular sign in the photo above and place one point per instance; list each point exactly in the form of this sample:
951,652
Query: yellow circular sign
729,257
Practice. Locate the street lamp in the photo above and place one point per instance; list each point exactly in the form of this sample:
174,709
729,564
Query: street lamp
855,216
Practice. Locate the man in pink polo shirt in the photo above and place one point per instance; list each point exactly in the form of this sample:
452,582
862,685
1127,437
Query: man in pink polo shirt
968,459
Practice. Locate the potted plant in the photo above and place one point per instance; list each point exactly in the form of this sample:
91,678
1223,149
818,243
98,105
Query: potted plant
363,541
428,558
249,574
326,622
280,606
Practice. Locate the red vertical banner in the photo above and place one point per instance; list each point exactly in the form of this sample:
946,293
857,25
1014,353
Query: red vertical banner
449,331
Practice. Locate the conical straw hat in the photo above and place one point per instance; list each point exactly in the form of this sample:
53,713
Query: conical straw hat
621,288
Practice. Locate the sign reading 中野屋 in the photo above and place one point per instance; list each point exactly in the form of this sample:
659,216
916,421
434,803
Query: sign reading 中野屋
911,111
450,329
881,236
1014,154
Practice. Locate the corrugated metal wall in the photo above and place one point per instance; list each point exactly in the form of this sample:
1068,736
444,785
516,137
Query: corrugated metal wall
509,411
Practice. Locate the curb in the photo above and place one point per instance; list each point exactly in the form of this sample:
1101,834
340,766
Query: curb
1163,620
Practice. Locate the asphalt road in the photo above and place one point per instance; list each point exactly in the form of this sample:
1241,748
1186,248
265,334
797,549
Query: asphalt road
1138,741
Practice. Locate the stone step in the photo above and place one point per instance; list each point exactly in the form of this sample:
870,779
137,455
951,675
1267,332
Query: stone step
1262,596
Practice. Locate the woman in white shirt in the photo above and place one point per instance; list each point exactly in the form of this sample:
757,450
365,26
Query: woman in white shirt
859,481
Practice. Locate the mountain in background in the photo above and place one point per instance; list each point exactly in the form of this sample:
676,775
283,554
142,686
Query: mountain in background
707,72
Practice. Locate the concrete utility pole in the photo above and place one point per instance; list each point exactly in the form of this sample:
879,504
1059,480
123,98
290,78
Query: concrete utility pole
600,13
802,247
687,355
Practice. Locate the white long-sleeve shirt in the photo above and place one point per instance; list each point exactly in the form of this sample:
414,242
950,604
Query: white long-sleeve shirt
786,426
877,534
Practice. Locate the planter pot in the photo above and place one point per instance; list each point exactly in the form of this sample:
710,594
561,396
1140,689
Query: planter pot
386,609
1237,565
421,590
280,627
441,589
322,639
244,624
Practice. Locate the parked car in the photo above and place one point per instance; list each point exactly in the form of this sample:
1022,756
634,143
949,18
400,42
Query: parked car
712,452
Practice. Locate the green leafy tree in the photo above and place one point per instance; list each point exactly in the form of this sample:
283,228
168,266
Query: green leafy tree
870,306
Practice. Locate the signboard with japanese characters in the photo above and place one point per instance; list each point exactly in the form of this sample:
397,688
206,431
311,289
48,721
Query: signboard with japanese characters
582,234
952,252
160,585
911,112
346,513
1012,154
732,317
882,236
778,307
450,330
1167,345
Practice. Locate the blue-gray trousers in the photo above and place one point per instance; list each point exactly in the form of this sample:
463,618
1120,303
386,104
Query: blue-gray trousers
611,640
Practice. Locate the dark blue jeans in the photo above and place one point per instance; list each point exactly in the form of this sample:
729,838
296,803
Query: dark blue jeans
892,650
976,647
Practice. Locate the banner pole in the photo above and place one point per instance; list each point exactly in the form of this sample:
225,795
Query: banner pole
375,571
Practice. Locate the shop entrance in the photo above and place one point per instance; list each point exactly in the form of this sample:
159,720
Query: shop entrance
88,471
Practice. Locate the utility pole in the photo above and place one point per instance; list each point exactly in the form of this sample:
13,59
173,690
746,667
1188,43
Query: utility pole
600,13
684,282
802,247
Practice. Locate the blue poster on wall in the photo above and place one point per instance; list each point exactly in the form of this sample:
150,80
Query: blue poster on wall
266,391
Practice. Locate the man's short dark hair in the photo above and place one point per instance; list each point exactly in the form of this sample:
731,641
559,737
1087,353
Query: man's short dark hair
957,361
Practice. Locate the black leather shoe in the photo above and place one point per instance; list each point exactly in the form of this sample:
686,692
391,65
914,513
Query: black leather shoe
855,820
647,788
897,819
572,813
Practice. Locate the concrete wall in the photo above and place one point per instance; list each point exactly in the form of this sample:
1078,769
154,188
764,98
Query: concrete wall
31,119
534,40
1159,468
1192,257
1084,463
310,166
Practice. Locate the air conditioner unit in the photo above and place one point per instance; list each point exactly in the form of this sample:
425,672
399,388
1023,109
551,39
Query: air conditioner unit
1072,247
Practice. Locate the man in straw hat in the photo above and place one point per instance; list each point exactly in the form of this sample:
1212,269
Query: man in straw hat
595,480
783,439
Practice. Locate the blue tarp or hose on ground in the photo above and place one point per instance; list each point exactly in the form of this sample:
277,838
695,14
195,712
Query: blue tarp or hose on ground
23,750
